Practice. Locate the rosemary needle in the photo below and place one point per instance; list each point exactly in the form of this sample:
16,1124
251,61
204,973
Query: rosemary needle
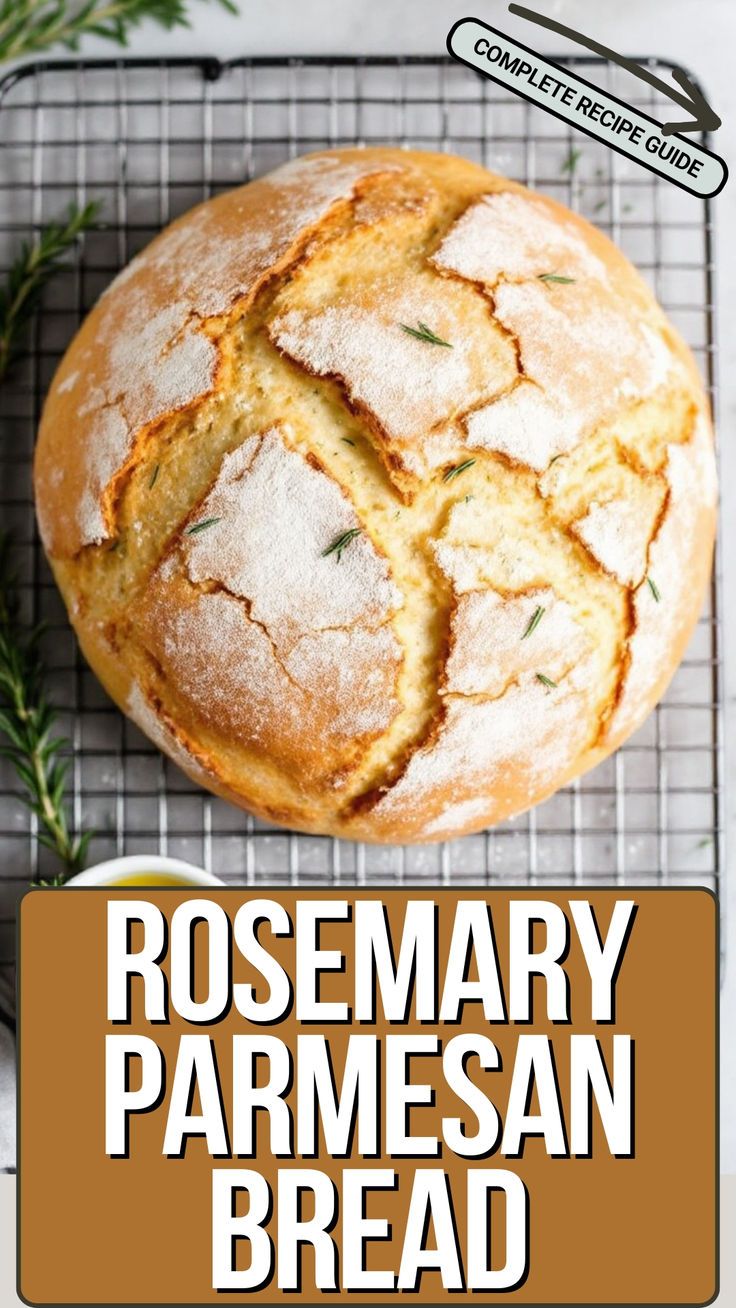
571,161
201,526
552,685
452,473
654,588
347,440
555,277
424,333
339,543
154,476
534,621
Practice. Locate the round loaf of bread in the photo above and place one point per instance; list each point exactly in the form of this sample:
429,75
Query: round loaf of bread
381,494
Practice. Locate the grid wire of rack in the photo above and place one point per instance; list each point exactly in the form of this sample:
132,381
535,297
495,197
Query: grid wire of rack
150,139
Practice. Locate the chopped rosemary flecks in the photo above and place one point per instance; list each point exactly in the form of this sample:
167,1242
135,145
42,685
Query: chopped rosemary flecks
600,205
534,621
552,685
154,476
340,542
452,473
424,333
654,588
554,277
347,440
201,526
554,460
571,161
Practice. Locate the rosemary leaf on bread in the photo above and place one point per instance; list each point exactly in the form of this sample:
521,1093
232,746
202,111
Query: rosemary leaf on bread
554,277
196,527
424,333
340,542
534,621
546,681
654,588
452,473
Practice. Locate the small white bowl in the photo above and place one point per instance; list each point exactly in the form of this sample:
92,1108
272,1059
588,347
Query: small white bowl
172,871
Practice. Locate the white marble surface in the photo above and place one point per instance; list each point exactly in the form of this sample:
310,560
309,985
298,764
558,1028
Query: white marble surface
699,36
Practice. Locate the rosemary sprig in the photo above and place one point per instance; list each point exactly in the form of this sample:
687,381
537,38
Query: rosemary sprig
27,26
654,588
571,161
554,277
424,333
551,685
452,473
340,542
196,527
26,725
534,621
33,267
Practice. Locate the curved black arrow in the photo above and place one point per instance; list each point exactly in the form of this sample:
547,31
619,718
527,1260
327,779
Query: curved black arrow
693,101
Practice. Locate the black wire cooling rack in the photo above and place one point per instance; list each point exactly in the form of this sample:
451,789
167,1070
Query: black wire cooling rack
151,138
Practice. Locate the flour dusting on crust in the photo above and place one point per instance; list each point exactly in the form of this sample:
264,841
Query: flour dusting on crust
490,647
477,746
502,725
111,436
515,237
153,357
659,624
457,816
617,535
585,357
413,390
151,723
525,425
276,516
277,643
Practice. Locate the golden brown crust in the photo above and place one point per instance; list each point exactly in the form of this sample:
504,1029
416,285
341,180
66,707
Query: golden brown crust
527,510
